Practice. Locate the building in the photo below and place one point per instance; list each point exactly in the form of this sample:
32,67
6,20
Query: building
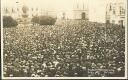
30,11
21,10
115,13
80,10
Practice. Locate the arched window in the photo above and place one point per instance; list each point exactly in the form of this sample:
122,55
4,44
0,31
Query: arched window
114,10
113,21
107,21
32,9
6,10
63,15
36,9
83,15
17,9
13,10
110,8
122,11
121,22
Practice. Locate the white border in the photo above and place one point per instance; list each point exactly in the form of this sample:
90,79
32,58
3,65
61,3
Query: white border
126,57
126,39
65,78
1,40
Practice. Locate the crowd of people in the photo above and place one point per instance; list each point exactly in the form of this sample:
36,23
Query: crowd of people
68,50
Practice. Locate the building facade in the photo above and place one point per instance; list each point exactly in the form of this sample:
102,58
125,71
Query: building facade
80,11
115,13
17,13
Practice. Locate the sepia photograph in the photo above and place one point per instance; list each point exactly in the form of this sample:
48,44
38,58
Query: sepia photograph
64,39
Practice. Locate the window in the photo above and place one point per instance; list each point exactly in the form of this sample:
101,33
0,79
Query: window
6,10
114,12
121,22
32,9
113,21
13,10
83,15
107,21
110,8
17,9
122,11
64,15
36,9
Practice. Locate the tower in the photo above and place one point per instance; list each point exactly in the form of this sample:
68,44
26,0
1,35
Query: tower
80,10
115,13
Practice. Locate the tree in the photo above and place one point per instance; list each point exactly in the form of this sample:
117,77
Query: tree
44,20
35,20
8,21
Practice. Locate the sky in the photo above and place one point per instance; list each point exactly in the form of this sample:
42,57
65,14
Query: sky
97,8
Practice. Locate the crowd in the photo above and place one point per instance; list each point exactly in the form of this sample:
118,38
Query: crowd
68,50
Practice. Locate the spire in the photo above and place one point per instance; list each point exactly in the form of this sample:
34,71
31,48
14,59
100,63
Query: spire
83,5
77,4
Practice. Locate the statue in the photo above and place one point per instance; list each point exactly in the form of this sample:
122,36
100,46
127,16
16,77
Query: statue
25,10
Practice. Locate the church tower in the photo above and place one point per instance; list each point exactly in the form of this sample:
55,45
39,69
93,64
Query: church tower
80,10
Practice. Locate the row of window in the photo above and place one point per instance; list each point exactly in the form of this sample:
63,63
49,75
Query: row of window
121,22
15,10
121,10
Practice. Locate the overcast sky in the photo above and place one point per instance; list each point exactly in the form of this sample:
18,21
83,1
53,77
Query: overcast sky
96,7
